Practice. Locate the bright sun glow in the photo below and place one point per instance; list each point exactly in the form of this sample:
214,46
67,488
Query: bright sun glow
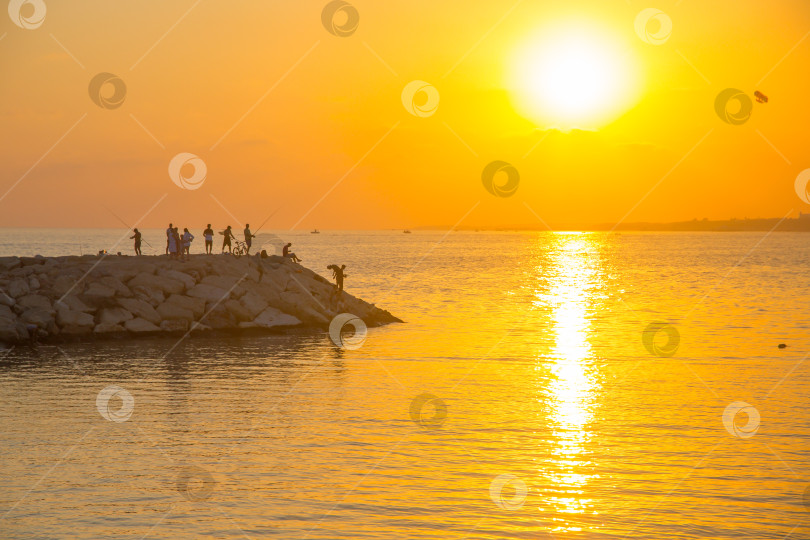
576,76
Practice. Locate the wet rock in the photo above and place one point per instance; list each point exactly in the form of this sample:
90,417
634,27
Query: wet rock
195,305
108,329
271,317
174,325
140,326
140,308
169,311
67,317
18,287
114,315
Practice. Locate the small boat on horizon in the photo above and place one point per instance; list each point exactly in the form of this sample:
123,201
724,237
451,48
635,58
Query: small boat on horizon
316,231
406,231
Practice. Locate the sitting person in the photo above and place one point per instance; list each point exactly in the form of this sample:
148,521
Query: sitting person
286,253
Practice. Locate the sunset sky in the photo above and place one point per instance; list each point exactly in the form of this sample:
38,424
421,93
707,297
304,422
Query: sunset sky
285,114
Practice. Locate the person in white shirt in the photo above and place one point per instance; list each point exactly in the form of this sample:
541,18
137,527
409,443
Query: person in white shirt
187,239
209,239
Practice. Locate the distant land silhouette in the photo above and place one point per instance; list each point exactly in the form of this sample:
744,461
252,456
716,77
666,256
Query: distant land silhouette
799,224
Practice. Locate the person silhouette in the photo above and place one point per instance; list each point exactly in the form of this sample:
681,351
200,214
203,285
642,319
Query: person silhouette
187,239
285,252
248,237
338,275
137,237
173,241
168,237
209,239
226,240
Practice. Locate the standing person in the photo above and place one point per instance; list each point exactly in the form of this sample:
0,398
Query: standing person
168,237
209,239
248,237
226,241
187,239
137,237
172,242
287,255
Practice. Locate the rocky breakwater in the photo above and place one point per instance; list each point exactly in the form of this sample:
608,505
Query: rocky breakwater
57,299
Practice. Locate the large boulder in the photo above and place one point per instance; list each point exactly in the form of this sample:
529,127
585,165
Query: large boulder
114,315
149,294
73,303
42,318
253,303
187,281
63,284
223,282
140,326
115,284
9,263
67,317
34,301
209,293
271,317
166,284
105,328
18,287
5,299
140,308
168,311
175,325
237,310
195,305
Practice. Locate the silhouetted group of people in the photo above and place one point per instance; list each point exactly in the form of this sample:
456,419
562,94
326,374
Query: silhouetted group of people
178,245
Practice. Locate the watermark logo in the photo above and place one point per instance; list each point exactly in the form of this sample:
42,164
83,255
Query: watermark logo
496,492
502,189
27,14
99,90
420,99
733,106
428,411
650,339
340,338
272,244
184,160
340,18
195,483
115,404
653,26
801,184
730,420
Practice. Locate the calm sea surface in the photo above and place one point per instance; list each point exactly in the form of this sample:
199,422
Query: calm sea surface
547,416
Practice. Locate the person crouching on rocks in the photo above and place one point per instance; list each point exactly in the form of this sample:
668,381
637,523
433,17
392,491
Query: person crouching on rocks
292,256
338,275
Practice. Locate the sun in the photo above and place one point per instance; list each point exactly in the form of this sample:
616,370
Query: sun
574,76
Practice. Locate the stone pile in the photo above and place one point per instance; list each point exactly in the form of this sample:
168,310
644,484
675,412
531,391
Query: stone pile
76,298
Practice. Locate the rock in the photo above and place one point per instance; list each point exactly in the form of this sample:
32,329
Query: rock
209,293
140,326
9,263
271,317
68,317
116,285
5,299
237,310
140,308
18,287
113,316
253,303
149,294
223,282
174,325
169,311
98,290
187,281
43,318
165,284
195,305
35,301
6,313
73,303
220,318
65,283
108,329
33,283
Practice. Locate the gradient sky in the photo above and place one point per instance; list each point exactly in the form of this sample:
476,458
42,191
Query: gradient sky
286,115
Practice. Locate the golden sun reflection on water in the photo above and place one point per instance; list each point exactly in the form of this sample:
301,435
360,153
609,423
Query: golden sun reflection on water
570,393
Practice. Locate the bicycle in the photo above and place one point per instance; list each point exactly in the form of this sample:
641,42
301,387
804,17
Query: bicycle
240,249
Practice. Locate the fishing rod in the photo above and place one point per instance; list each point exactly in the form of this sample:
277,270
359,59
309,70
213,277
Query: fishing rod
125,225
266,220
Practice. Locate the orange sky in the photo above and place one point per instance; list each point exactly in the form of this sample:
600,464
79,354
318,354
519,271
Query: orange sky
196,74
